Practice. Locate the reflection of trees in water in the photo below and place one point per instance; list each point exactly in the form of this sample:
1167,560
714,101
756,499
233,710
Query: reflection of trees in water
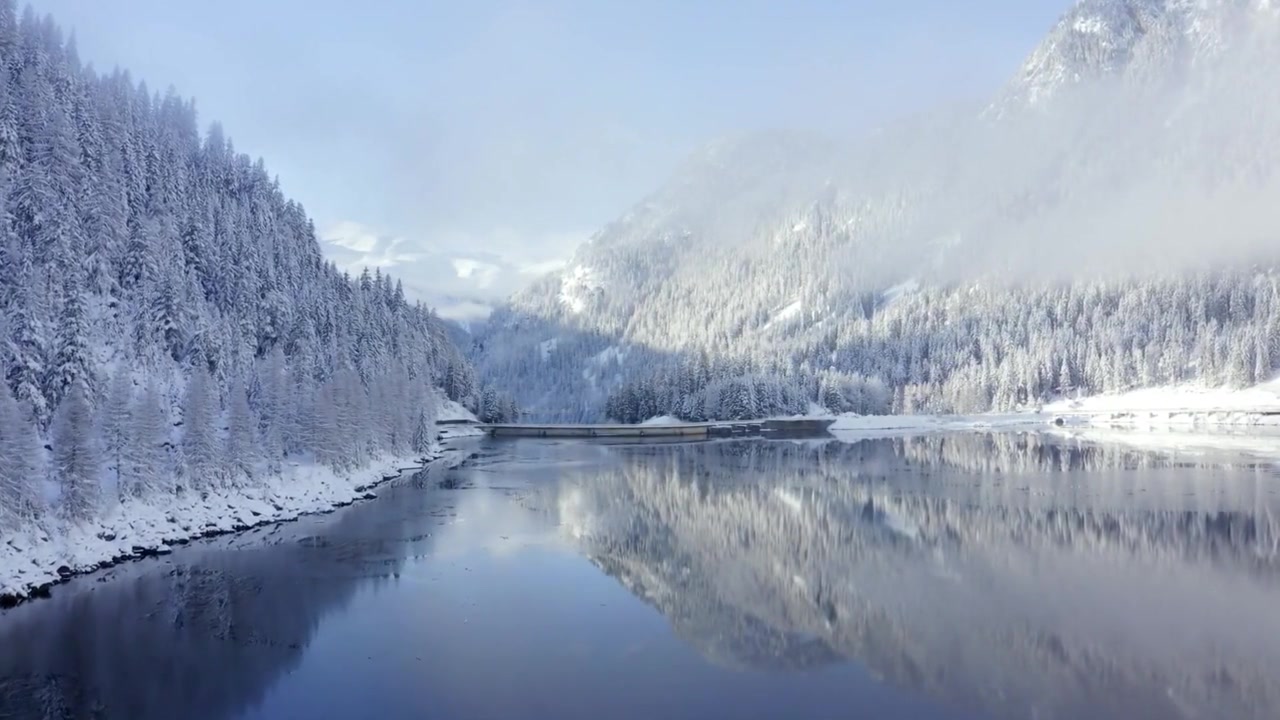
204,637
1014,586
1065,493
1031,452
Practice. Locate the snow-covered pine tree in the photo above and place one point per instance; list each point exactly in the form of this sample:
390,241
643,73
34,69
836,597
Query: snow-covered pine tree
200,451
273,408
240,450
324,433
71,362
20,497
460,382
115,419
351,408
130,240
490,406
148,458
401,395
27,349
832,396
299,393
424,428
77,459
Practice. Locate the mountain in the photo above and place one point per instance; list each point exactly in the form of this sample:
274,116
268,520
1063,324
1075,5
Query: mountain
1105,222
168,327
1131,41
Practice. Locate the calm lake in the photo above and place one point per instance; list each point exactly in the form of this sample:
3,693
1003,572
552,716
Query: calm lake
947,576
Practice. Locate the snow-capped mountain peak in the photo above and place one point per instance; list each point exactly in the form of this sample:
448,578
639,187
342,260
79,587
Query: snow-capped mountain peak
1139,41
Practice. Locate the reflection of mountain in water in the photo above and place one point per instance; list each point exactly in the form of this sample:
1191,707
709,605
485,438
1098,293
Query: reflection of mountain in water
722,630
1011,574
202,637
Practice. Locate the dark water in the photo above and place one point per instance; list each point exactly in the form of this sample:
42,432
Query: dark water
975,576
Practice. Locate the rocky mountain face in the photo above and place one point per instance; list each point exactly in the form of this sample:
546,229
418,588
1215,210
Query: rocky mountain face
1135,41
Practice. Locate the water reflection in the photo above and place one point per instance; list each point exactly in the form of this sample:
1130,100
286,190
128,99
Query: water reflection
1007,576
1018,576
205,633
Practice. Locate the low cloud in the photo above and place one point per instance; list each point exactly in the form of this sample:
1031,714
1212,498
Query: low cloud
447,271
354,247
539,269
482,273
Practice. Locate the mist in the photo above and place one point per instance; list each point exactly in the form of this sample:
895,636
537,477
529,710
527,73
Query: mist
1130,174
469,149
508,132
1162,168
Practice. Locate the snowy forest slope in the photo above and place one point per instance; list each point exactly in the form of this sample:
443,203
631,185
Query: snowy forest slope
1107,221
168,325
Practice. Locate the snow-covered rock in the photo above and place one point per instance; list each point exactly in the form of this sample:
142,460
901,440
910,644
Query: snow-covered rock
1137,42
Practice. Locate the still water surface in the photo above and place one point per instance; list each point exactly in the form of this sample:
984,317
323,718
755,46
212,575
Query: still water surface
956,576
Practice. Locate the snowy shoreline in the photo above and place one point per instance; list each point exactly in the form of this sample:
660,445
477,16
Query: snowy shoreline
886,425
33,560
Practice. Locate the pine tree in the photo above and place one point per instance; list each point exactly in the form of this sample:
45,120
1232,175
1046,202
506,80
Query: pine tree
116,421
165,321
77,461
325,434
20,496
274,418
150,468
71,361
241,446
127,238
199,441
424,428
832,398
490,410
27,351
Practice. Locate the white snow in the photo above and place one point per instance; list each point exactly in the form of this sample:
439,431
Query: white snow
604,365
1179,405
576,287
662,420
450,410
905,287
818,411
1163,415
1090,25
785,313
1227,444
453,432
613,353
850,425
32,556
463,423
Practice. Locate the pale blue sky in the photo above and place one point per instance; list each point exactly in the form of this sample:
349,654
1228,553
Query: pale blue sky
505,132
